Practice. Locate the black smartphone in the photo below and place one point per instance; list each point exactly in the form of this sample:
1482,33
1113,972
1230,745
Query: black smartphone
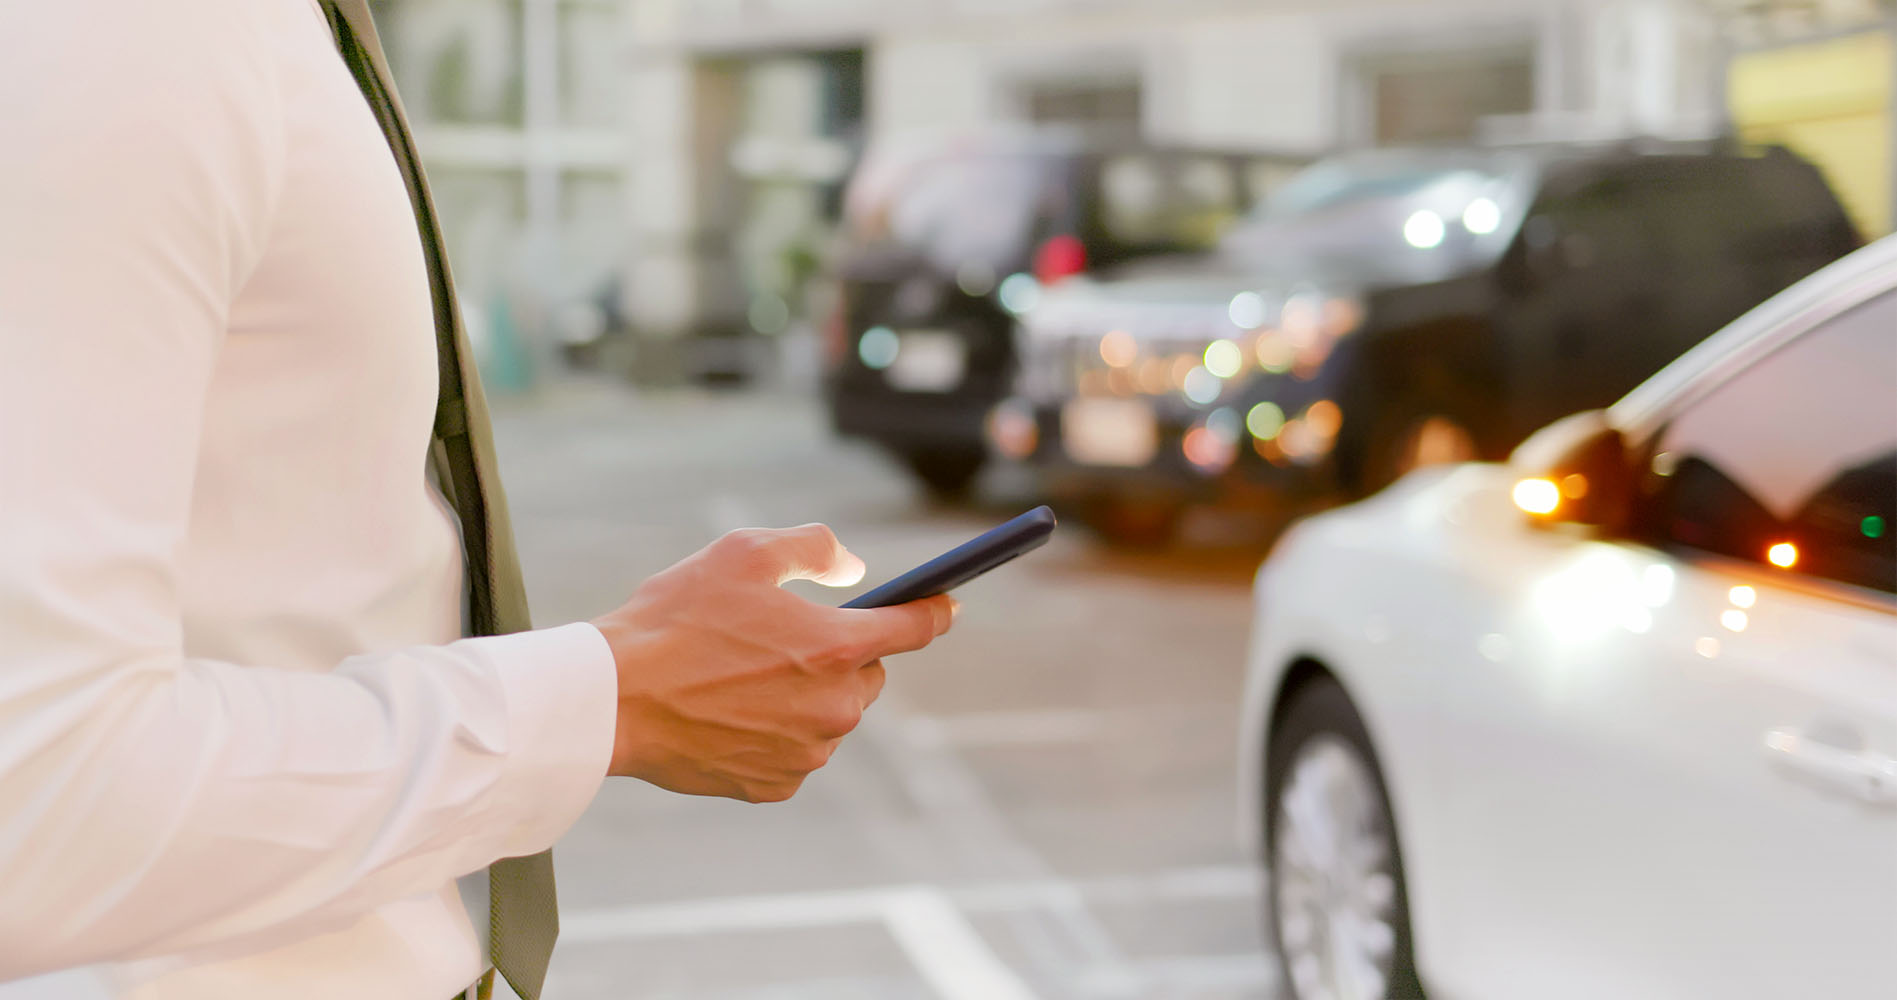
963,563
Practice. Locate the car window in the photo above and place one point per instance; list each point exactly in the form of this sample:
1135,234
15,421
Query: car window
1605,222
1183,203
959,208
1792,462
1735,208
1385,219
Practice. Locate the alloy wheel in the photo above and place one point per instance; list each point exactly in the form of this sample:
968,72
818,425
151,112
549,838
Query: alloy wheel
1334,872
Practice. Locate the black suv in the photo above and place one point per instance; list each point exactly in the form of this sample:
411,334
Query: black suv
1394,309
944,243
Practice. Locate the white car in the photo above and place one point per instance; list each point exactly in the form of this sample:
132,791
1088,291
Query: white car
1617,719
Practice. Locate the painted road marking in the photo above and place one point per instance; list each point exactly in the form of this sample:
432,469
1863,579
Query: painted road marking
930,924
829,908
946,949
1061,935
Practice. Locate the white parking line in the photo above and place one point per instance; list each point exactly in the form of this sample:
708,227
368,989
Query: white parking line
946,789
945,948
829,908
1033,727
725,915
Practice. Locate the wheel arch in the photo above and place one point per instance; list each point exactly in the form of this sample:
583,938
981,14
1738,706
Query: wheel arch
1304,670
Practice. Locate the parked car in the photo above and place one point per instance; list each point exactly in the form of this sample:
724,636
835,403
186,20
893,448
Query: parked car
1393,309
1617,718
943,242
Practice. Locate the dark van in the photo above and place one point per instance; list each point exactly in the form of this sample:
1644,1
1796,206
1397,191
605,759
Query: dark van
945,243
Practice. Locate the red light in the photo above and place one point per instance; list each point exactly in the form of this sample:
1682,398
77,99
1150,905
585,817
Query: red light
1060,257
836,330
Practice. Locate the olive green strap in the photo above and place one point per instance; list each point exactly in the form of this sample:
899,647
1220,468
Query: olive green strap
522,909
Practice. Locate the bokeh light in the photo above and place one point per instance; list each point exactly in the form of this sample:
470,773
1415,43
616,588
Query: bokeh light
1223,358
1019,293
878,348
1537,496
1265,420
1247,310
1202,386
1275,352
1424,229
1324,417
1482,217
1119,349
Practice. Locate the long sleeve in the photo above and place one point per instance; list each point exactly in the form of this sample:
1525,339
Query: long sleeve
150,802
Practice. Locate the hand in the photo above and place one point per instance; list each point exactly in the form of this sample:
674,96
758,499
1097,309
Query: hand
729,685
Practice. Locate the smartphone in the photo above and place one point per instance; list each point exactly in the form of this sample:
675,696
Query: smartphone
963,563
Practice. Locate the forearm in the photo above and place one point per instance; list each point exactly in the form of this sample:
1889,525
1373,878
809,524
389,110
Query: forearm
152,806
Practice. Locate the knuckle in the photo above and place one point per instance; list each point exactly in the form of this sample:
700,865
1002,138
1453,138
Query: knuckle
849,654
871,686
814,756
776,791
839,720
740,541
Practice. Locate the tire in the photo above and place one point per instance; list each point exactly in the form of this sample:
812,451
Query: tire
1320,759
946,473
1145,523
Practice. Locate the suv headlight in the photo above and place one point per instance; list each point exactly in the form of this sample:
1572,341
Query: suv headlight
1305,331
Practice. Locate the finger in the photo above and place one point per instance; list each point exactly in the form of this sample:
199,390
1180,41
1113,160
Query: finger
903,628
807,552
870,681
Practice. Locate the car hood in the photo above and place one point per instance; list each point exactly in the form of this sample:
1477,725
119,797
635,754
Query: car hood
1157,295
1181,299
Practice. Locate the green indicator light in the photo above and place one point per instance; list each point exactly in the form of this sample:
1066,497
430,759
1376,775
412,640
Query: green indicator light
1872,526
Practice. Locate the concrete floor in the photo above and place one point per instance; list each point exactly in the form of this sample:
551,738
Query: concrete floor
1040,806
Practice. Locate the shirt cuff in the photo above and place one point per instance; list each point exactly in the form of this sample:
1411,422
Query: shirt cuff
562,691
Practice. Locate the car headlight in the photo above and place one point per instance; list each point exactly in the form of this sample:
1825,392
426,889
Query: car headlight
1307,329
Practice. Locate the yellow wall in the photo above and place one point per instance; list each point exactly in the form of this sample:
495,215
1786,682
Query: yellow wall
1829,101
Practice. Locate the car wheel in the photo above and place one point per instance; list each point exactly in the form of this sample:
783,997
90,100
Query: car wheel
1337,910
1145,522
946,473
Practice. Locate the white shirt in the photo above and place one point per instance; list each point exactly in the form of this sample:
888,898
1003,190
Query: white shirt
241,755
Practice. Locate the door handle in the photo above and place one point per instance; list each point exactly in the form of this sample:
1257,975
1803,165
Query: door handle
1865,774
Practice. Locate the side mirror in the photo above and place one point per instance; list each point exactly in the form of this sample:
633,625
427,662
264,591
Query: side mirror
1576,471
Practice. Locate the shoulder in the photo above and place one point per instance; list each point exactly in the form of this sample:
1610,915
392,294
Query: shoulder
132,108
141,50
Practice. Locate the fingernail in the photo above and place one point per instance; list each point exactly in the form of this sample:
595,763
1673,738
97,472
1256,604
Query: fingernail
955,610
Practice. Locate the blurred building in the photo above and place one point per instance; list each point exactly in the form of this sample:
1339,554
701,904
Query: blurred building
520,113
682,158
1819,78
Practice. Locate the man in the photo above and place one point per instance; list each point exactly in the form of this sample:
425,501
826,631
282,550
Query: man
241,752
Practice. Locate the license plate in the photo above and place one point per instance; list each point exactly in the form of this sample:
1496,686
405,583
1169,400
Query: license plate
928,361
1117,432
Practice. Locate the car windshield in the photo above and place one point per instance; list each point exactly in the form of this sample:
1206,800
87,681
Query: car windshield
956,209
1377,214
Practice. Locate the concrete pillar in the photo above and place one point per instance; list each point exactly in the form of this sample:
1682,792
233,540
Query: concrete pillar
680,279
1656,63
